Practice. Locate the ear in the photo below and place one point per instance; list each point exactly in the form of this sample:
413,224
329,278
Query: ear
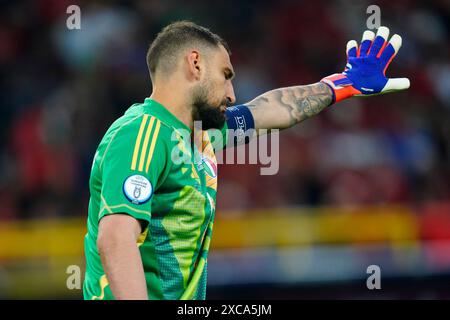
193,60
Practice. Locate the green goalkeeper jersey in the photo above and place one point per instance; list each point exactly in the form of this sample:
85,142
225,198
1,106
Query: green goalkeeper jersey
147,167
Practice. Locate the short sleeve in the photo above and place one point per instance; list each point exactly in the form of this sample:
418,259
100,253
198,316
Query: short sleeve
131,168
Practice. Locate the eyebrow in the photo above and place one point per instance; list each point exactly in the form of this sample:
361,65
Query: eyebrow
229,74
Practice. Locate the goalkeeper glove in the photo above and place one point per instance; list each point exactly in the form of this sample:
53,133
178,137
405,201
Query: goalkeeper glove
364,74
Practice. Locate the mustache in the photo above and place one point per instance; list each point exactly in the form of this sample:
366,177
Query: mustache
226,102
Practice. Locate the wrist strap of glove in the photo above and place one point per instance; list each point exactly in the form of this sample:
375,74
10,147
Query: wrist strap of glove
341,86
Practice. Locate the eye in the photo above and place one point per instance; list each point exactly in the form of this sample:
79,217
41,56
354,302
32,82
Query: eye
228,74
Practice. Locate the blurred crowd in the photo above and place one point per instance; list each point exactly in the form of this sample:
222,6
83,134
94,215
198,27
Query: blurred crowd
61,89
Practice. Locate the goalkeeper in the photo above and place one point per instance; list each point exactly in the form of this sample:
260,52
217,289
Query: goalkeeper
150,217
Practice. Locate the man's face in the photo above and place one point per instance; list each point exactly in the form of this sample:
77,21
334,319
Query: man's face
215,92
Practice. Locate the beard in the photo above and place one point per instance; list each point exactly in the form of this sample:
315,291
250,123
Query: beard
209,113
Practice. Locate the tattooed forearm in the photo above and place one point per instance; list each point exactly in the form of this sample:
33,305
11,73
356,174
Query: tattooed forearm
284,107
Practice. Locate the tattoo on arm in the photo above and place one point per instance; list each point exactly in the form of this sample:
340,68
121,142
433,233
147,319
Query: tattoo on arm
284,107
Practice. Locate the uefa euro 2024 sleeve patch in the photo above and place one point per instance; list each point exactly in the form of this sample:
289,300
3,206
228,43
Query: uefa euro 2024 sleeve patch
137,189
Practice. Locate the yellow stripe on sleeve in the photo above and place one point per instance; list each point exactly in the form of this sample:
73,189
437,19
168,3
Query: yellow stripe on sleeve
144,146
138,142
152,146
103,284
142,236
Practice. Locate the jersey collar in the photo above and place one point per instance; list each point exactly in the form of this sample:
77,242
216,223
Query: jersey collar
164,114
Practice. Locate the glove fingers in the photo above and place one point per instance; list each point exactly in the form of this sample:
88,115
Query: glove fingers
352,48
366,41
396,84
390,50
379,42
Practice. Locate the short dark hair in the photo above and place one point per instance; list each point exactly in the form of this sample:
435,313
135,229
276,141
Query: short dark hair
165,48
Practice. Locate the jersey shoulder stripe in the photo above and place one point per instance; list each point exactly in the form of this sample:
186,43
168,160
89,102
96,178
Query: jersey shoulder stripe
138,141
137,137
145,141
145,145
152,147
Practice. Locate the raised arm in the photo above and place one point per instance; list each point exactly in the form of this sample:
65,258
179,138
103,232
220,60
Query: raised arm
284,107
364,75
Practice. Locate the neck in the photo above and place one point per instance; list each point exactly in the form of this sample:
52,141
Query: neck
174,100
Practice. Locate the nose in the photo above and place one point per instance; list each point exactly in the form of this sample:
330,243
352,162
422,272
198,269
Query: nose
230,94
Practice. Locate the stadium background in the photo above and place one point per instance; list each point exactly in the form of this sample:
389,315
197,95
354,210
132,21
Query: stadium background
366,182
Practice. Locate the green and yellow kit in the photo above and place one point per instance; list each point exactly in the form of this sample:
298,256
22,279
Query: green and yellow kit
140,169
